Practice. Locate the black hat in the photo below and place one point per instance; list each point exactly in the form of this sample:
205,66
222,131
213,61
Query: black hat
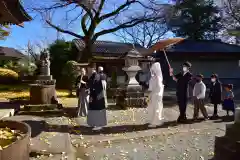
199,76
214,76
187,64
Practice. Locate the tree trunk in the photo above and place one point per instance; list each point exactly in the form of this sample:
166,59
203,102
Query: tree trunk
86,55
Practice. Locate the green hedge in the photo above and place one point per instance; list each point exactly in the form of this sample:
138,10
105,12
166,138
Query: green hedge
8,76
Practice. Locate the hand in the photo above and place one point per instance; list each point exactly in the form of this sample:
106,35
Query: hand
83,82
90,99
174,78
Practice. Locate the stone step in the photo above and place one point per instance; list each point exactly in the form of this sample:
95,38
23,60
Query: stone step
233,131
6,113
225,149
7,108
45,140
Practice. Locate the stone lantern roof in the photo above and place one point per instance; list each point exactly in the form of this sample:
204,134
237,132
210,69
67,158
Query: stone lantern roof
12,12
133,53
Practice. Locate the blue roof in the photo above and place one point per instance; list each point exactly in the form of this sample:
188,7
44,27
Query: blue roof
204,46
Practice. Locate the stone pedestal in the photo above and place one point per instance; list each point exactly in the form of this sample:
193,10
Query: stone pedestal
42,94
44,77
131,95
132,84
228,146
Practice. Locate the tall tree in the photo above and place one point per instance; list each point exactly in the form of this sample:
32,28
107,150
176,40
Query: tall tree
60,53
92,13
230,10
145,34
197,19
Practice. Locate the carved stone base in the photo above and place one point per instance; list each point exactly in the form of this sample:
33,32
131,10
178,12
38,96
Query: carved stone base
134,88
228,146
131,97
44,77
42,94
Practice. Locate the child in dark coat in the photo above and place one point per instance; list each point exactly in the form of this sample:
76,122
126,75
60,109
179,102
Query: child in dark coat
228,103
215,94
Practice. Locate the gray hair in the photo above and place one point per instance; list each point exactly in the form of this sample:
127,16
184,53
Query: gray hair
100,69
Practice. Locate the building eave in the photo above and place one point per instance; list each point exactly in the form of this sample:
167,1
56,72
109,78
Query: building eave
11,15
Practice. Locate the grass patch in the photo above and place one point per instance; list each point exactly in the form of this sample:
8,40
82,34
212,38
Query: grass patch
16,88
21,92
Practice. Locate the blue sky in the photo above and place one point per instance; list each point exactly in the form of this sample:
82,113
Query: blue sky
36,32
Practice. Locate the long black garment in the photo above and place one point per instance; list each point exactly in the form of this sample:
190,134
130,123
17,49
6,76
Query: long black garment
82,85
215,93
78,81
97,92
182,91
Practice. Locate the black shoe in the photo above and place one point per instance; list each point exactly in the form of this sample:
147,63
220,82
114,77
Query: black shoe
215,116
195,119
206,118
179,119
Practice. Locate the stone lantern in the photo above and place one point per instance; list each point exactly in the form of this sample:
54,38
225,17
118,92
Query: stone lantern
131,68
131,95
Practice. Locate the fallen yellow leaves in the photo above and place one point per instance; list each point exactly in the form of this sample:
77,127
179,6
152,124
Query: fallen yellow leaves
25,94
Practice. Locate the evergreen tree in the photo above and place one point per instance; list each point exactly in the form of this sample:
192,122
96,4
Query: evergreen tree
197,19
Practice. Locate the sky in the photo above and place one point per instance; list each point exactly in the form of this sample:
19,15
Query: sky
36,32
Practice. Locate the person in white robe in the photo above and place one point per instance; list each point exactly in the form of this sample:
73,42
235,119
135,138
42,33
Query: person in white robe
156,89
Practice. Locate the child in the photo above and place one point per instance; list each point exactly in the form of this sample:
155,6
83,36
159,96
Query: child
228,103
199,96
215,94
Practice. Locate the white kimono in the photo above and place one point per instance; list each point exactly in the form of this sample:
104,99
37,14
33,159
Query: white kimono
156,88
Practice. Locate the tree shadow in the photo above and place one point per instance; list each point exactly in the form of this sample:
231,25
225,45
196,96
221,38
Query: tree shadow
20,101
10,105
45,114
36,127
85,130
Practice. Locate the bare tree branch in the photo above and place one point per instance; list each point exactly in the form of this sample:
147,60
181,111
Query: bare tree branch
94,13
115,12
145,34
64,31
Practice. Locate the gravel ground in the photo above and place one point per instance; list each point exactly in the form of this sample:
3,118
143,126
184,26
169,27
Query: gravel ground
191,145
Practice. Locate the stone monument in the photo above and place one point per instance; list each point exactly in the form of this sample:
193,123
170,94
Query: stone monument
44,67
228,146
131,94
43,90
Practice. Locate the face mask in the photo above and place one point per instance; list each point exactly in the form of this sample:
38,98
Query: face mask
185,69
213,80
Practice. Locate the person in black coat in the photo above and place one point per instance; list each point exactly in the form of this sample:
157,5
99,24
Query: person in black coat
215,94
182,80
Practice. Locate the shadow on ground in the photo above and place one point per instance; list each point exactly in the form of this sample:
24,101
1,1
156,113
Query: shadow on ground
39,126
113,129
10,105
224,119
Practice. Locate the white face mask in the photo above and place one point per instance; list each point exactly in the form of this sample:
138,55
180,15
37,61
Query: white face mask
213,80
185,69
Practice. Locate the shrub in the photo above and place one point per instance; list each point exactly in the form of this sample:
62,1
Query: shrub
8,76
70,73
21,67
